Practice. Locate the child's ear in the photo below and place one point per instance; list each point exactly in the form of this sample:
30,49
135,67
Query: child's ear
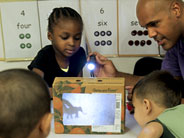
45,124
147,106
49,36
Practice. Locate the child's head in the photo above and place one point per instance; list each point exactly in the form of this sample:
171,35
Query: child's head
154,93
65,28
24,105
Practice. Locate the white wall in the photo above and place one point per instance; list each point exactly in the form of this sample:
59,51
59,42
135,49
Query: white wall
8,65
125,64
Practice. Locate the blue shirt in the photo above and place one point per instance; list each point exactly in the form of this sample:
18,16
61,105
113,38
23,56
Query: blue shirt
174,60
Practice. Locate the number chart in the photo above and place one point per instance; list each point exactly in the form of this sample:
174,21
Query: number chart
110,28
133,40
20,29
100,20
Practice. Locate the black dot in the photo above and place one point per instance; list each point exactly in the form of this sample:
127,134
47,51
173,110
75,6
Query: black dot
103,43
140,32
136,42
130,43
97,43
96,33
142,42
145,32
148,42
102,33
134,32
109,42
109,33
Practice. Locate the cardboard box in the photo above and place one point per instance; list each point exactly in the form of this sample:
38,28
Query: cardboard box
89,105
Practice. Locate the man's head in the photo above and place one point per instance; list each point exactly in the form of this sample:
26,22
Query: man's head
158,89
163,19
24,105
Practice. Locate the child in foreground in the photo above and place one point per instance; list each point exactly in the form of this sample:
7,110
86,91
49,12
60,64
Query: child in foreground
157,108
24,105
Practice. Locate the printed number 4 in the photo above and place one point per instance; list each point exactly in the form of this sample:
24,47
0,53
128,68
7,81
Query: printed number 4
22,13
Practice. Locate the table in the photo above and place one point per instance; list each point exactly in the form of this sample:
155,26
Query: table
131,131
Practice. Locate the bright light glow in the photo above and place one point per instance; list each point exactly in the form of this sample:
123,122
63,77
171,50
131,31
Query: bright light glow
91,66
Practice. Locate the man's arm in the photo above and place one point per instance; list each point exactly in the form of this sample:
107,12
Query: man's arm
106,68
130,80
41,73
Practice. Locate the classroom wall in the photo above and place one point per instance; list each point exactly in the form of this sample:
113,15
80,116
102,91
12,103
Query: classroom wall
115,16
112,28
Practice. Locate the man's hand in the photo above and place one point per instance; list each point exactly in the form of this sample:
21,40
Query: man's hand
104,67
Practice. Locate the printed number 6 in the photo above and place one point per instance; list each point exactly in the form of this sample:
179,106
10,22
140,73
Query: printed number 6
101,11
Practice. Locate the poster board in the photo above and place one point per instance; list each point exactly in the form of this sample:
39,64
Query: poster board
133,39
100,20
20,29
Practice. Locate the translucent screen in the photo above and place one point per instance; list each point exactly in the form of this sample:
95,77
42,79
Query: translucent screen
88,109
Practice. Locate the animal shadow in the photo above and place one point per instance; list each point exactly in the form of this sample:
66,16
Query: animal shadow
71,110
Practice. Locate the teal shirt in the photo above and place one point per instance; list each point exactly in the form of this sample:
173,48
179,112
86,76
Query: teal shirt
173,119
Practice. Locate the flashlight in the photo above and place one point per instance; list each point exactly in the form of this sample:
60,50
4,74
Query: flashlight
91,64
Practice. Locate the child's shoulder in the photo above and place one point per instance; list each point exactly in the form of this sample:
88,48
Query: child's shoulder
81,49
46,50
47,47
152,129
176,112
178,108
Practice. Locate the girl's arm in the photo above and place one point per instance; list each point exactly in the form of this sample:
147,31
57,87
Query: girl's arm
41,73
38,71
